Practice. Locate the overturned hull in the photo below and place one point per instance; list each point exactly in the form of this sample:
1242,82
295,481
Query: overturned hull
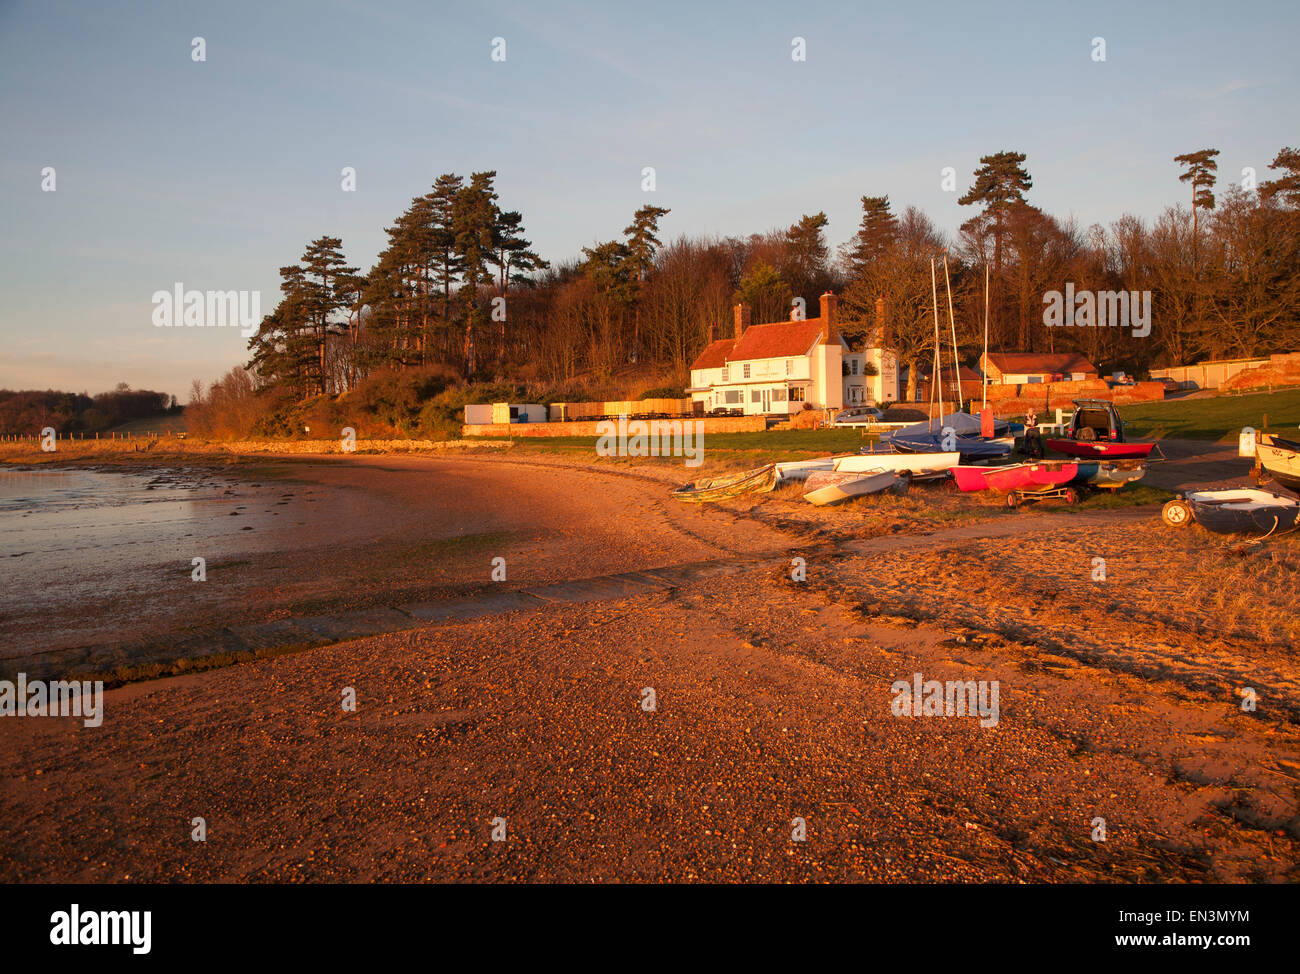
833,488
759,480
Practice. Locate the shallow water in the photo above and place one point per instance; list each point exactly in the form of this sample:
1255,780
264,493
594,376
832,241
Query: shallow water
70,534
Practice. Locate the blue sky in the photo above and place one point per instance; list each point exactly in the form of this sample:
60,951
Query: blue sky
215,174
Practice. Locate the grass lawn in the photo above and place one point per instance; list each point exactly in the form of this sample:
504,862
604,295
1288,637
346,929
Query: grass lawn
1220,418
753,449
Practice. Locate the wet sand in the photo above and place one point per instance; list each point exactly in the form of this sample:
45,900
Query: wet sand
295,536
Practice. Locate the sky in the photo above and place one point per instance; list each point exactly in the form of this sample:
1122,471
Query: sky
216,173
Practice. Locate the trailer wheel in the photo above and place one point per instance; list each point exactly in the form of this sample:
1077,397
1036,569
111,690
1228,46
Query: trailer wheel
1176,513
1071,495
1013,499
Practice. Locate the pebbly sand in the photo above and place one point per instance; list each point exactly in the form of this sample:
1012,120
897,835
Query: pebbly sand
1120,698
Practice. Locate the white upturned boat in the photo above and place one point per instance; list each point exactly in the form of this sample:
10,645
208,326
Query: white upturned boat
825,487
913,463
801,469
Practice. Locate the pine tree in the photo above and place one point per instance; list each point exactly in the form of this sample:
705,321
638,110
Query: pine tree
313,285
1000,184
804,264
875,236
446,259
1201,169
513,256
474,219
1286,187
640,248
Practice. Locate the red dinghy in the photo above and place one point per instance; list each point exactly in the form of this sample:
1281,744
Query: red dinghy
1030,477
970,478
1094,450
1020,477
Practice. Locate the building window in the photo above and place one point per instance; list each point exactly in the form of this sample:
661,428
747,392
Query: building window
746,370
726,373
734,396
855,366
789,366
778,394
796,393
754,396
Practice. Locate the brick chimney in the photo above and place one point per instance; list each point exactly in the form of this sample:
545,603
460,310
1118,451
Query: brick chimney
742,315
830,317
883,335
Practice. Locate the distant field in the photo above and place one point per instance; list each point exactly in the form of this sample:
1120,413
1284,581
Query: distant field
156,424
1214,419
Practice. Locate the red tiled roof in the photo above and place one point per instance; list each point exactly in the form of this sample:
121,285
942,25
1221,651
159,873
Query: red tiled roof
1026,362
777,340
715,355
967,373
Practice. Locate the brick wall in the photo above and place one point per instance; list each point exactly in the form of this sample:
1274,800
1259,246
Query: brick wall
728,424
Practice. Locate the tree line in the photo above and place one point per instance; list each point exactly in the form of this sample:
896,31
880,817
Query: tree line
29,411
460,288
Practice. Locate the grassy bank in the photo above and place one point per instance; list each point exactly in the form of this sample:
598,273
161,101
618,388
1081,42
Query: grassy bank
752,448
1220,418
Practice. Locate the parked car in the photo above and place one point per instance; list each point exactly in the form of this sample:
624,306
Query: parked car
859,416
1171,385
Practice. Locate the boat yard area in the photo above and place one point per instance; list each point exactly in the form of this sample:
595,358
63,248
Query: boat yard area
770,632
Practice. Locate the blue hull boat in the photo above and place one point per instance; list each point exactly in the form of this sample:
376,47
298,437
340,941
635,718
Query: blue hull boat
970,448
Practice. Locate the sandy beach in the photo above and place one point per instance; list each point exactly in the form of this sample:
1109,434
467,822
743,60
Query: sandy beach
1120,697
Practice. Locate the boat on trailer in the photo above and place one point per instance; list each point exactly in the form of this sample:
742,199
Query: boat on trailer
827,487
759,480
1101,475
1237,511
1020,478
1280,459
1097,433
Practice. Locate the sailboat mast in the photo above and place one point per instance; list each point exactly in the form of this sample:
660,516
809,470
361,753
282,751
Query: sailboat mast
984,366
934,295
952,322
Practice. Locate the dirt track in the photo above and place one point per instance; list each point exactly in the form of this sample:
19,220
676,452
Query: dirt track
1119,700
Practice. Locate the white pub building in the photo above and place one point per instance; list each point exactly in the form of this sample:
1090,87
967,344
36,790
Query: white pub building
787,366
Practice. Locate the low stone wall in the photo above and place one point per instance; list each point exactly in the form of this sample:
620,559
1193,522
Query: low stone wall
589,430
1281,371
1037,391
1049,396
